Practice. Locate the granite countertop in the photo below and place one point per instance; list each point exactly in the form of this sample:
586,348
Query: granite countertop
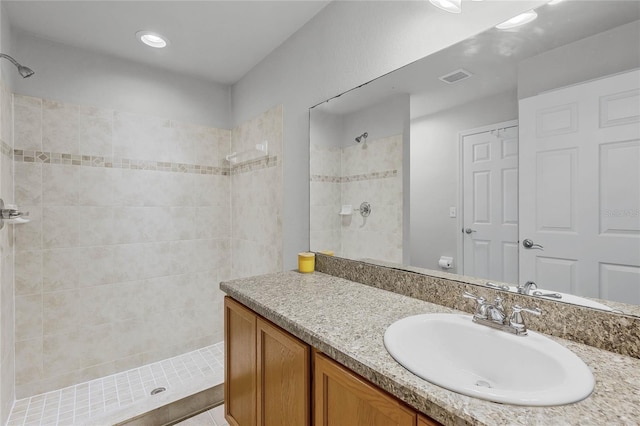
347,320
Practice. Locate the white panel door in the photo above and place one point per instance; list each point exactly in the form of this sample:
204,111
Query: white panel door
490,204
580,188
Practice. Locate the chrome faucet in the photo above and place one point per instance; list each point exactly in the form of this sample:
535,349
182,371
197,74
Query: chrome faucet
494,316
527,287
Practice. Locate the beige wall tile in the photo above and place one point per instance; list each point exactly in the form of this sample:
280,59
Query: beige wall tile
6,111
28,317
62,311
29,235
139,136
59,185
95,131
28,183
130,259
27,123
29,361
95,225
130,187
59,127
28,272
61,269
60,226
96,186
61,353
185,224
7,310
7,386
157,260
95,266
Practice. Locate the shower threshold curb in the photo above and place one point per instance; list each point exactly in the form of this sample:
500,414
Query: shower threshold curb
168,407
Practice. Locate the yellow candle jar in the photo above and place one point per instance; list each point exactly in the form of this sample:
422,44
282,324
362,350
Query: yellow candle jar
306,262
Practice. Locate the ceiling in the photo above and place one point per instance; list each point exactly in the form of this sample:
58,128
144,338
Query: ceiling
215,40
492,57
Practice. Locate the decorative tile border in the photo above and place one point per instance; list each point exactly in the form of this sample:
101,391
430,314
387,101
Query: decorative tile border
44,157
22,156
355,178
252,165
321,178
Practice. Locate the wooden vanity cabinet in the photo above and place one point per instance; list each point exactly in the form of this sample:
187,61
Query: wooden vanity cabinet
267,371
341,398
267,381
284,382
240,369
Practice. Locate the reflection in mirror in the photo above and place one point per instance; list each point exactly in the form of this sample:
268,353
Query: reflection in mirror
515,153
348,169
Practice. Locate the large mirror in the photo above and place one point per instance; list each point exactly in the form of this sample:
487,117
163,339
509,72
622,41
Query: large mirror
511,157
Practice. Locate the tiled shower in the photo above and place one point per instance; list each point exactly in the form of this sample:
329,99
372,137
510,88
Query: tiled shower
134,220
348,176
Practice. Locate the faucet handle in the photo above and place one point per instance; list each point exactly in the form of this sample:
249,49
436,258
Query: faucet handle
481,308
517,321
518,308
527,287
468,295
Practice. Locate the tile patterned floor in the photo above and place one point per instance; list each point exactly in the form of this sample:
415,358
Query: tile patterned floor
213,417
78,404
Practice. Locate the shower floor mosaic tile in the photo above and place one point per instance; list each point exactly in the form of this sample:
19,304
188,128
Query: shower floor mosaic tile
80,403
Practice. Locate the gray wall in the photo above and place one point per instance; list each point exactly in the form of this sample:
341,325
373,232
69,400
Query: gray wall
73,75
596,56
326,129
435,174
345,45
386,118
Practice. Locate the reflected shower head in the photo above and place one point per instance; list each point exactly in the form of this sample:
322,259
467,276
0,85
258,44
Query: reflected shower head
363,137
24,71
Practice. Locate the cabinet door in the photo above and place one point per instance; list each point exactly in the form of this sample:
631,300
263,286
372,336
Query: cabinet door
283,378
426,421
341,398
239,364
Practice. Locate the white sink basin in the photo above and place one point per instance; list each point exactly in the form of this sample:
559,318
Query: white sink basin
453,352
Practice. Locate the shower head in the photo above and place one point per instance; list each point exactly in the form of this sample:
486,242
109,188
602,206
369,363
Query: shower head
24,71
363,137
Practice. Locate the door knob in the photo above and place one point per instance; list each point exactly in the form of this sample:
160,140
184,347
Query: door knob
469,230
529,244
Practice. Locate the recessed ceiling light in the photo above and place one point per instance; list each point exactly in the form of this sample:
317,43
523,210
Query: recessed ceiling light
453,6
152,39
552,2
516,21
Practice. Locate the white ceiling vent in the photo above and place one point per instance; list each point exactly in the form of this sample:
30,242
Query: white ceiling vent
456,76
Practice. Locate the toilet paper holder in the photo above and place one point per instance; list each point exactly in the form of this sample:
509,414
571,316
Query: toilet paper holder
445,262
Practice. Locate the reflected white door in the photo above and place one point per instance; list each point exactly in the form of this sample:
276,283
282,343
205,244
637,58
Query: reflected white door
580,188
490,204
